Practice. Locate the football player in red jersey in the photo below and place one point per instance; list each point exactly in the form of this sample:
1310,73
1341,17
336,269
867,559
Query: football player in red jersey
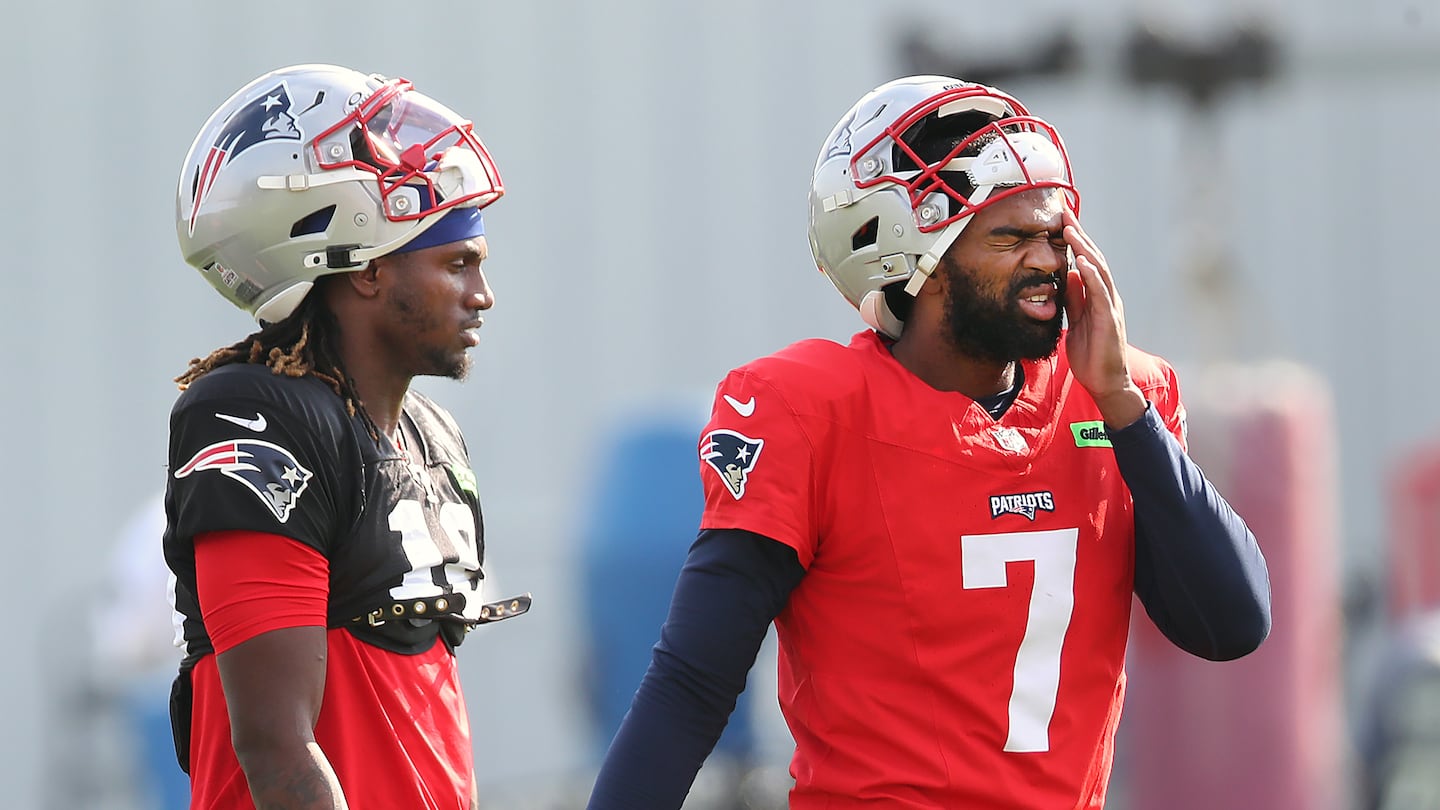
323,524
945,518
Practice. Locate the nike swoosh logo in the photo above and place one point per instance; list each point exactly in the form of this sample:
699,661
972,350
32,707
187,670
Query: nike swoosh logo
743,408
257,424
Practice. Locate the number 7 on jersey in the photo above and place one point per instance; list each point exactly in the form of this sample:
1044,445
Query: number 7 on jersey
1037,663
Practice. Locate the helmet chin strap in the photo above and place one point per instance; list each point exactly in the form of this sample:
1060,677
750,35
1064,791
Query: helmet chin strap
301,182
358,255
931,258
284,302
873,309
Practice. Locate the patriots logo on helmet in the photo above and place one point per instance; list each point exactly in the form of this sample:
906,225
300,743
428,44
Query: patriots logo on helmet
268,470
841,145
733,456
266,118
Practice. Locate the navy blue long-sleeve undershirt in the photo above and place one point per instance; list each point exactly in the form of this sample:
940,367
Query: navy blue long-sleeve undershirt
1198,569
1198,572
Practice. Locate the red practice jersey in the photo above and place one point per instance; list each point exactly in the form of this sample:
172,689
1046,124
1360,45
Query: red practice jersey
959,637
394,728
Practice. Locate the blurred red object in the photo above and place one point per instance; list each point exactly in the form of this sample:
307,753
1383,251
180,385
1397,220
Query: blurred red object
1267,731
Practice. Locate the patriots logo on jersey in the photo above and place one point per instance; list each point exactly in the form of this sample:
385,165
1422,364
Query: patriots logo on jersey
733,456
266,118
268,470
1024,504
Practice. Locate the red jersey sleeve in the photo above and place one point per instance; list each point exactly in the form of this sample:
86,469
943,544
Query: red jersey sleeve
249,583
1159,383
757,465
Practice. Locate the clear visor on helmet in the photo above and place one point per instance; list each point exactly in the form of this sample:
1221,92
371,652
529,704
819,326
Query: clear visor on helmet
1009,155
425,158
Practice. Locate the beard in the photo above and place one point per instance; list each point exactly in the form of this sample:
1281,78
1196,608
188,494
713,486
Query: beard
998,331
449,365
433,360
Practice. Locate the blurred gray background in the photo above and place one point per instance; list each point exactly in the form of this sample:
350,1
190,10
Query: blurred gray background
657,157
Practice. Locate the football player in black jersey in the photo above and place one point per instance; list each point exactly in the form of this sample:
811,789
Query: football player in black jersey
323,524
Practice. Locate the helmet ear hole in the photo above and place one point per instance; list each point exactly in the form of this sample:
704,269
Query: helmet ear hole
313,222
865,235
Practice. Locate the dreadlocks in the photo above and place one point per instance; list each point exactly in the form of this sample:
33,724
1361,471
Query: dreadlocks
301,344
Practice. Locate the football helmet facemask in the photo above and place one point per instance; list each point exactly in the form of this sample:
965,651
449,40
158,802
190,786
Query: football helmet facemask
904,171
316,169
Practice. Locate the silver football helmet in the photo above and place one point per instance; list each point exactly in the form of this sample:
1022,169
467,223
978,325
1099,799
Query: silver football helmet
316,169
903,172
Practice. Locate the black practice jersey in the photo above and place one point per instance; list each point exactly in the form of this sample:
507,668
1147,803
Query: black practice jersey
254,451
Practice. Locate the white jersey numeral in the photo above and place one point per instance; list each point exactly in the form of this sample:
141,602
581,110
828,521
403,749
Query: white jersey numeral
1037,663
455,552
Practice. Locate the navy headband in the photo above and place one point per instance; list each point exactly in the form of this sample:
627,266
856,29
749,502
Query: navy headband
458,225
